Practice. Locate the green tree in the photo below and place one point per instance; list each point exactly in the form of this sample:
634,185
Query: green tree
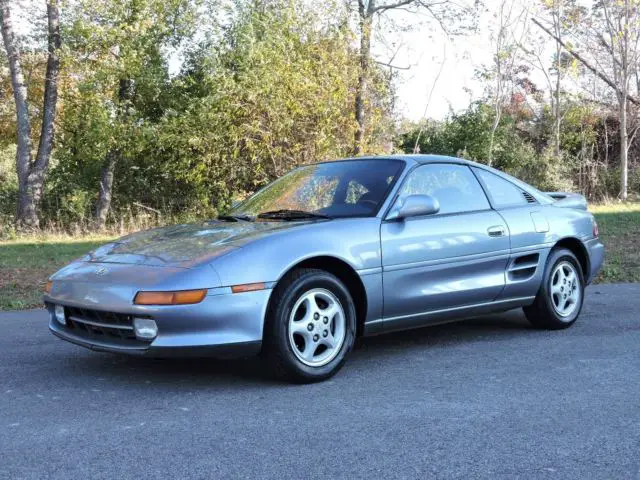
273,94
271,89
117,56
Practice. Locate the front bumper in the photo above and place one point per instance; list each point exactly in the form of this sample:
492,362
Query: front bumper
222,325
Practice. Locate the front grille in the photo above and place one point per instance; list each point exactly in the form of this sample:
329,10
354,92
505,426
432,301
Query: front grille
107,327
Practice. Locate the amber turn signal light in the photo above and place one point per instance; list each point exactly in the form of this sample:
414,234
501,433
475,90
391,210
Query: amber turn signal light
183,297
48,286
247,287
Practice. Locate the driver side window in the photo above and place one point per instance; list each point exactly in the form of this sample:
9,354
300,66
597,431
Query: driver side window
454,186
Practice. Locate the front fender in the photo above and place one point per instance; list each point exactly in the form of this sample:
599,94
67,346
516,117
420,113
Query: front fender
355,241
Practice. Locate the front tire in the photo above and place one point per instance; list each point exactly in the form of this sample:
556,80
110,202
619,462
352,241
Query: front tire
310,326
561,295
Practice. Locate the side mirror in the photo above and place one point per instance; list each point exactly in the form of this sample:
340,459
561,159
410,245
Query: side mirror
414,206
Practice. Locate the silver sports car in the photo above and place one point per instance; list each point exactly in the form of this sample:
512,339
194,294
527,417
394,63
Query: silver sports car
330,252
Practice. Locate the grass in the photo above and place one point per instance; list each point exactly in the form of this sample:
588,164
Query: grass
25,264
620,232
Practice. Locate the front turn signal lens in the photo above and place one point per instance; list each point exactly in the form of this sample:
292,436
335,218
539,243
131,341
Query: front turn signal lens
248,287
48,286
182,297
189,296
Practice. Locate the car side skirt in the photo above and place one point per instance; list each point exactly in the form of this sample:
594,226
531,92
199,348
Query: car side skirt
445,315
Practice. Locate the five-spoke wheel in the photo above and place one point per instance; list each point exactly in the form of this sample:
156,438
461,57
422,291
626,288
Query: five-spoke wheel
565,293
560,297
311,325
316,327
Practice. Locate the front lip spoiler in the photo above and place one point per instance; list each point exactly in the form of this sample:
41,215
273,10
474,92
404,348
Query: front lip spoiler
99,347
227,350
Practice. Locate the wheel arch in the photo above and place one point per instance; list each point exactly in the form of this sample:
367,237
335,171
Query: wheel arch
347,275
575,246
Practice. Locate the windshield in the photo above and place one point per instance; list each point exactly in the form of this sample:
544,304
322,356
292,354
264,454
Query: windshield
350,188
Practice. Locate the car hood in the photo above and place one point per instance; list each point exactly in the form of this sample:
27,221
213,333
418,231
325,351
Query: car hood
185,246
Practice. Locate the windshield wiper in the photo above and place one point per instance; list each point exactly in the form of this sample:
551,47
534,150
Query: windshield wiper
291,215
235,218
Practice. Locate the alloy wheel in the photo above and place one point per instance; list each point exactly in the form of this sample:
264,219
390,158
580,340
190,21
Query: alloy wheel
565,289
317,327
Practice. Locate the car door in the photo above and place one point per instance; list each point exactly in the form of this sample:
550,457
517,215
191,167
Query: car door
445,261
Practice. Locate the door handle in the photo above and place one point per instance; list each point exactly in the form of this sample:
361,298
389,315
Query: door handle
496,231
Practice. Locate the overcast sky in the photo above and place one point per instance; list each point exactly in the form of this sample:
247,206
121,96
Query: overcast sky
457,59
427,50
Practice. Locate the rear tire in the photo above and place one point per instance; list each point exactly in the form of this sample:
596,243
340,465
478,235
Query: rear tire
561,295
310,327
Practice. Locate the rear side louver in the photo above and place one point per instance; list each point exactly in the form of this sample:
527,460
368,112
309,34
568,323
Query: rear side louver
528,197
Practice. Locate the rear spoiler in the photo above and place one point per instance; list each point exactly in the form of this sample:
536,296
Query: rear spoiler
568,200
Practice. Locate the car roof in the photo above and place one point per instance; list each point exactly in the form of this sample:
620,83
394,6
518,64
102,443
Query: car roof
439,159
417,158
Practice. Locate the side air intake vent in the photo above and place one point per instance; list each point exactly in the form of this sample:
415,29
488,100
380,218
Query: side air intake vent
528,197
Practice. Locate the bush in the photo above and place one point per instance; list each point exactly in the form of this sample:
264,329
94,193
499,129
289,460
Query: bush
467,135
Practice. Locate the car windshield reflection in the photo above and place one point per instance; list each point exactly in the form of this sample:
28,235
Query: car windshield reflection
353,188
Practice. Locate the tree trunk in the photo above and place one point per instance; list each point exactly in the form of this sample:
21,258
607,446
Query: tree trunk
492,133
50,94
624,149
557,25
557,117
26,215
31,174
106,189
111,159
366,21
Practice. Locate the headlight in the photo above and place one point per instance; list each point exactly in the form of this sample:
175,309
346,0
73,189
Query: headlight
58,312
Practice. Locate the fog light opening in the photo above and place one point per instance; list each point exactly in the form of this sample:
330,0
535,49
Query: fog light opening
145,328
58,313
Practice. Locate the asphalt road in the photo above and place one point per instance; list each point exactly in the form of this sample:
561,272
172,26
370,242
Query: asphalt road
490,398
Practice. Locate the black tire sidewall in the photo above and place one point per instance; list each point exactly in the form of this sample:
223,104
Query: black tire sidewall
282,313
555,258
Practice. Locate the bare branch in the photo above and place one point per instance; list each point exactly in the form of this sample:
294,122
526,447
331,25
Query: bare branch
584,61
384,64
632,137
416,146
383,8
607,47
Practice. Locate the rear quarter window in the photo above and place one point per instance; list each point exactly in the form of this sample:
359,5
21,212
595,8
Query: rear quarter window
502,192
